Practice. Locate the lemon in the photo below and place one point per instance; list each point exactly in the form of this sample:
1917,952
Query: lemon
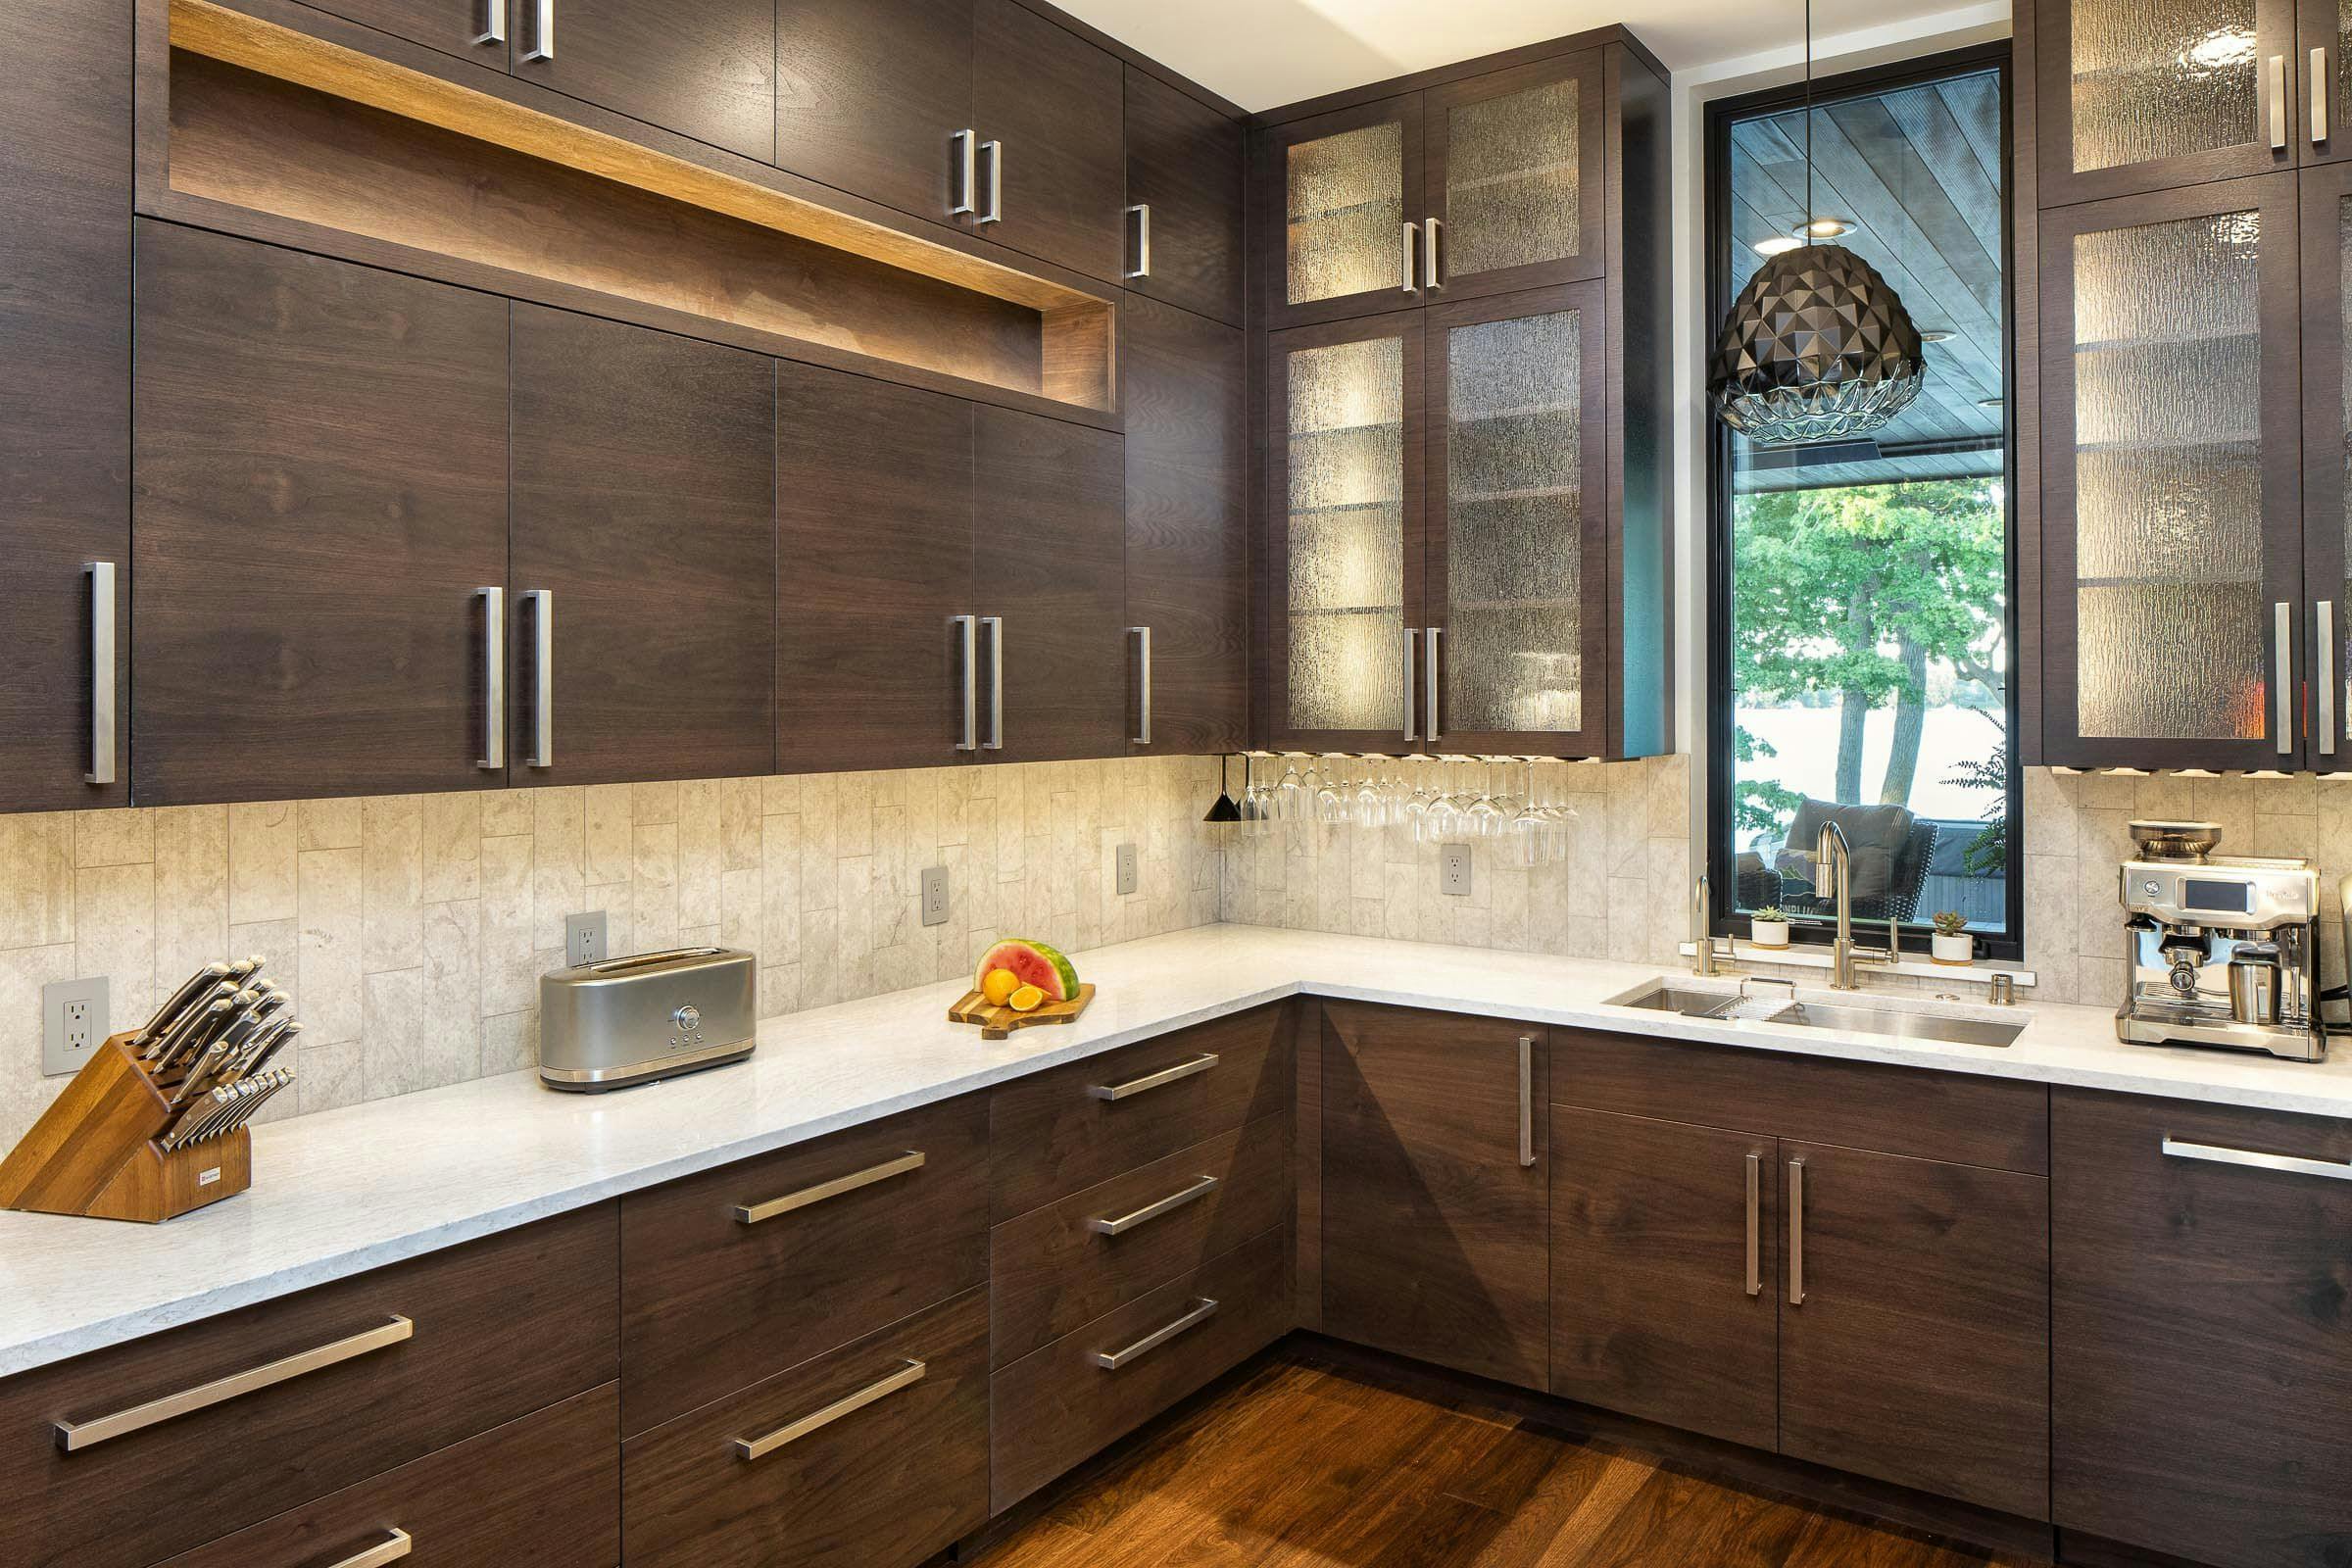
1026,999
999,984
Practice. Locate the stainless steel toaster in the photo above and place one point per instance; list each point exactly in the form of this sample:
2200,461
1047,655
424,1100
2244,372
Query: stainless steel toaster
630,1020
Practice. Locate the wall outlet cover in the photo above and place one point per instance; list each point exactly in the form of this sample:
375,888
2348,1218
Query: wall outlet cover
935,895
1453,871
585,937
74,1020
1129,872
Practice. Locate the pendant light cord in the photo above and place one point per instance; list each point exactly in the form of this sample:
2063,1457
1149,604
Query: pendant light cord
1809,213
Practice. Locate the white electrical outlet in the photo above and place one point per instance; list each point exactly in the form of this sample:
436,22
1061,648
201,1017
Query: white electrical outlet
935,896
74,1020
584,938
1453,871
1128,873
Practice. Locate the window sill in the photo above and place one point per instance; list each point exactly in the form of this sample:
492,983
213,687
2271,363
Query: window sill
1812,956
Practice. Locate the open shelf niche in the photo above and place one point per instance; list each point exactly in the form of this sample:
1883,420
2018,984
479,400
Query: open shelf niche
270,120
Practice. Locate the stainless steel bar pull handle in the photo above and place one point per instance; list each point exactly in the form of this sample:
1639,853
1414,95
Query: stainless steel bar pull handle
1124,1223
2322,647
76,1436
541,605
968,629
2292,1164
388,1550
543,30
1143,665
909,1374
1755,1214
1413,233
1413,676
1201,1310
754,1213
993,625
494,679
968,181
1141,212
1431,683
1155,1080
2277,105
494,23
1527,1099
1429,255
2322,89
1796,1232
996,185
102,672
2283,685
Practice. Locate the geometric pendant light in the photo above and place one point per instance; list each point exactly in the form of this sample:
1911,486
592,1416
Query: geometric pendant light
1816,347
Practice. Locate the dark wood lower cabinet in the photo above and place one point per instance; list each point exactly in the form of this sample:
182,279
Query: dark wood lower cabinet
1915,1334
319,467
2202,1329
1665,1267
1434,1189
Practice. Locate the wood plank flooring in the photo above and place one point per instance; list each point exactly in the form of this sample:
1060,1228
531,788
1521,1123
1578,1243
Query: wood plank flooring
1294,1463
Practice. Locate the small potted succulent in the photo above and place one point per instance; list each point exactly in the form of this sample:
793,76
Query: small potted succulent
1951,943
1768,928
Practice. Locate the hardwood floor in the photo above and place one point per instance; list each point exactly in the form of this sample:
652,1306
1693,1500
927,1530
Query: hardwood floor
1294,1463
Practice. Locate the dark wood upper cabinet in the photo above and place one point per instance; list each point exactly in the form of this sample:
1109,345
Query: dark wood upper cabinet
1181,383
1053,104
871,95
1665,1270
2326,217
1915,1333
481,30
1184,198
1434,1193
320,493
64,404
1515,178
2202,1345
1337,212
2322,134
643,505
873,567
2173,622
1052,571
2131,98
705,69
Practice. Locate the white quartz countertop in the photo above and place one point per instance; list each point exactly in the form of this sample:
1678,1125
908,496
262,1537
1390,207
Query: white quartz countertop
346,1191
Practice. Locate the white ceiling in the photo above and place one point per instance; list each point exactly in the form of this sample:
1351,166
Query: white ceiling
1265,53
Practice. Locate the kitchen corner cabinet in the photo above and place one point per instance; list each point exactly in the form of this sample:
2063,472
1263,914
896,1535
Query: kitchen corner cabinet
1184,200
2203,1350
642,504
65,406
319,498
705,69
1434,1193
1049,109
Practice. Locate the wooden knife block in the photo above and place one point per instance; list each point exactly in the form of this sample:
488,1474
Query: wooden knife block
94,1151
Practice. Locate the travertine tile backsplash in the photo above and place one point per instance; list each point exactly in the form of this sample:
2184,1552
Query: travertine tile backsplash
413,929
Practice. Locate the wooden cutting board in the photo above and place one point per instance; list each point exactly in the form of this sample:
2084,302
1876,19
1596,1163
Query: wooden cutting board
999,1022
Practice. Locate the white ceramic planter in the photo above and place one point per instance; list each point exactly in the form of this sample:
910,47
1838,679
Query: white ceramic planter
1768,933
1957,950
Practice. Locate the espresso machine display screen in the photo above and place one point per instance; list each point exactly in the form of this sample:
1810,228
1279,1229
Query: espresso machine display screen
2218,898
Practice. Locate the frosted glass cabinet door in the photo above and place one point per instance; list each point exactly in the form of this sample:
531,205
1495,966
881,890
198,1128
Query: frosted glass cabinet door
1341,189
2171,491
2327,461
1345,553
2140,95
2326,92
1514,180
1517,557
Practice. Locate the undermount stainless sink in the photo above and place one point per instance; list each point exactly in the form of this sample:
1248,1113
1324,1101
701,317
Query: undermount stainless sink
1772,1007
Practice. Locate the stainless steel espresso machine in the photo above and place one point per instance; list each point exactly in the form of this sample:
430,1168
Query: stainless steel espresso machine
2225,950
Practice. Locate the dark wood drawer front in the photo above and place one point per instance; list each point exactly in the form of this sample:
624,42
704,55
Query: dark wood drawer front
500,1328
887,1467
1059,1132
1059,1267
540,1492
712,1302
1998,1122
2202,1322
1061,1404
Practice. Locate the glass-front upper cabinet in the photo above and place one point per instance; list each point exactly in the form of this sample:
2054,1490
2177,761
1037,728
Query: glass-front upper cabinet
1345,188
1516,560
1344,553
2327,461
1514,180
2139,95
2173,625
2326,40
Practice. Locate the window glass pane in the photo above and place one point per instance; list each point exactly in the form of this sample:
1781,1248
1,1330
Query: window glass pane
1867,577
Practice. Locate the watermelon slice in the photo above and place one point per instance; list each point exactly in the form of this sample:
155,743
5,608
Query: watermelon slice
1036,963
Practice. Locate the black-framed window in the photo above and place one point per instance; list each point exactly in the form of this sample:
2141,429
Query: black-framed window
1862,591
